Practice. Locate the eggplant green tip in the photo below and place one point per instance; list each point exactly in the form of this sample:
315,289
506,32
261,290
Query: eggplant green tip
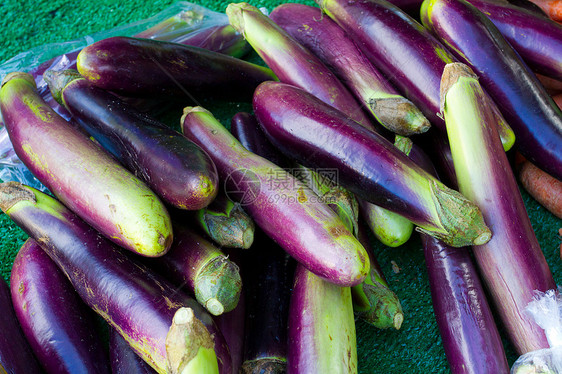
235,13
399,115
19,75
452,72
398,319
12,193
218,285
214,306
58,80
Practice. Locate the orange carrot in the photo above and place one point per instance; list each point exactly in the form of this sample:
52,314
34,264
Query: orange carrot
553,8
558,100
553,86
544,188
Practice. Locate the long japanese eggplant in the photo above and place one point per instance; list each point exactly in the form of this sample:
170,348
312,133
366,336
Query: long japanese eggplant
283,207
16,355
319,135
290,61
133,300
202,268
83,176
333,47
268,276
536,38
525,104
123,359
57,324
144,67
512,264
232,327
226,223
402,49
321,327
180,172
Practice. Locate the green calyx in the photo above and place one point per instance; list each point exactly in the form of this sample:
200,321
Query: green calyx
58,80
231,229
266,365
218,285
399,115
235,13
383,309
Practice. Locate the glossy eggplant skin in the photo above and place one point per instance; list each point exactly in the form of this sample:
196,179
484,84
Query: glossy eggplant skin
288,211
525,104
144,67
57,324
123,359
16,356
470,338
536,38
268,276
232,327
292,62
81,174
330,43
318,135
133,300
180,172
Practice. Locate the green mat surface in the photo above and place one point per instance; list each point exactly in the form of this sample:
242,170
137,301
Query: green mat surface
417,347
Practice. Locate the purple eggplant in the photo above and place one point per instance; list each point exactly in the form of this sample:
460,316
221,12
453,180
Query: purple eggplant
333,47
133,300
144,67
536,38
318,135
321,327
123,359
525,104
512,263
81,174
232,327
203,269
180,172
268,276
226,223
290,61
280,205
16,356
55,321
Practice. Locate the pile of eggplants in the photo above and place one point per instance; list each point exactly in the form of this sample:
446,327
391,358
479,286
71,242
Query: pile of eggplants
267,273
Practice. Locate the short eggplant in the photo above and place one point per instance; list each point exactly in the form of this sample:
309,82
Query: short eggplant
136,302
16,355
144,67
81,174
319,135
525,104
57,324
175,168
282,206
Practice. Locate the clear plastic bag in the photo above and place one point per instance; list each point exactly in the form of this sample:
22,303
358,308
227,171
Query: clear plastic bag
176,23
546,309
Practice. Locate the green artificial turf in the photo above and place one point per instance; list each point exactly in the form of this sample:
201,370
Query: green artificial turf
417,347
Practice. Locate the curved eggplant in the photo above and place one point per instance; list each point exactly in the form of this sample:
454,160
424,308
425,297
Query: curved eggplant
56,322
525,104
81,174
318,135
133,300
288,211
16,356
144,67
180,172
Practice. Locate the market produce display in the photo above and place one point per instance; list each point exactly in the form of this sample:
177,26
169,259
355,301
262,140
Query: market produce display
332,187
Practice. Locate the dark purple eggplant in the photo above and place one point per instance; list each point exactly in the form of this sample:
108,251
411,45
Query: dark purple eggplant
232,327
81,174
525,104
57,324
137,303
16,356
174,167
203,269
144,67
268,275
282,206
329,42
512,264
123,359
321,327
226,223
318,135
290,61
